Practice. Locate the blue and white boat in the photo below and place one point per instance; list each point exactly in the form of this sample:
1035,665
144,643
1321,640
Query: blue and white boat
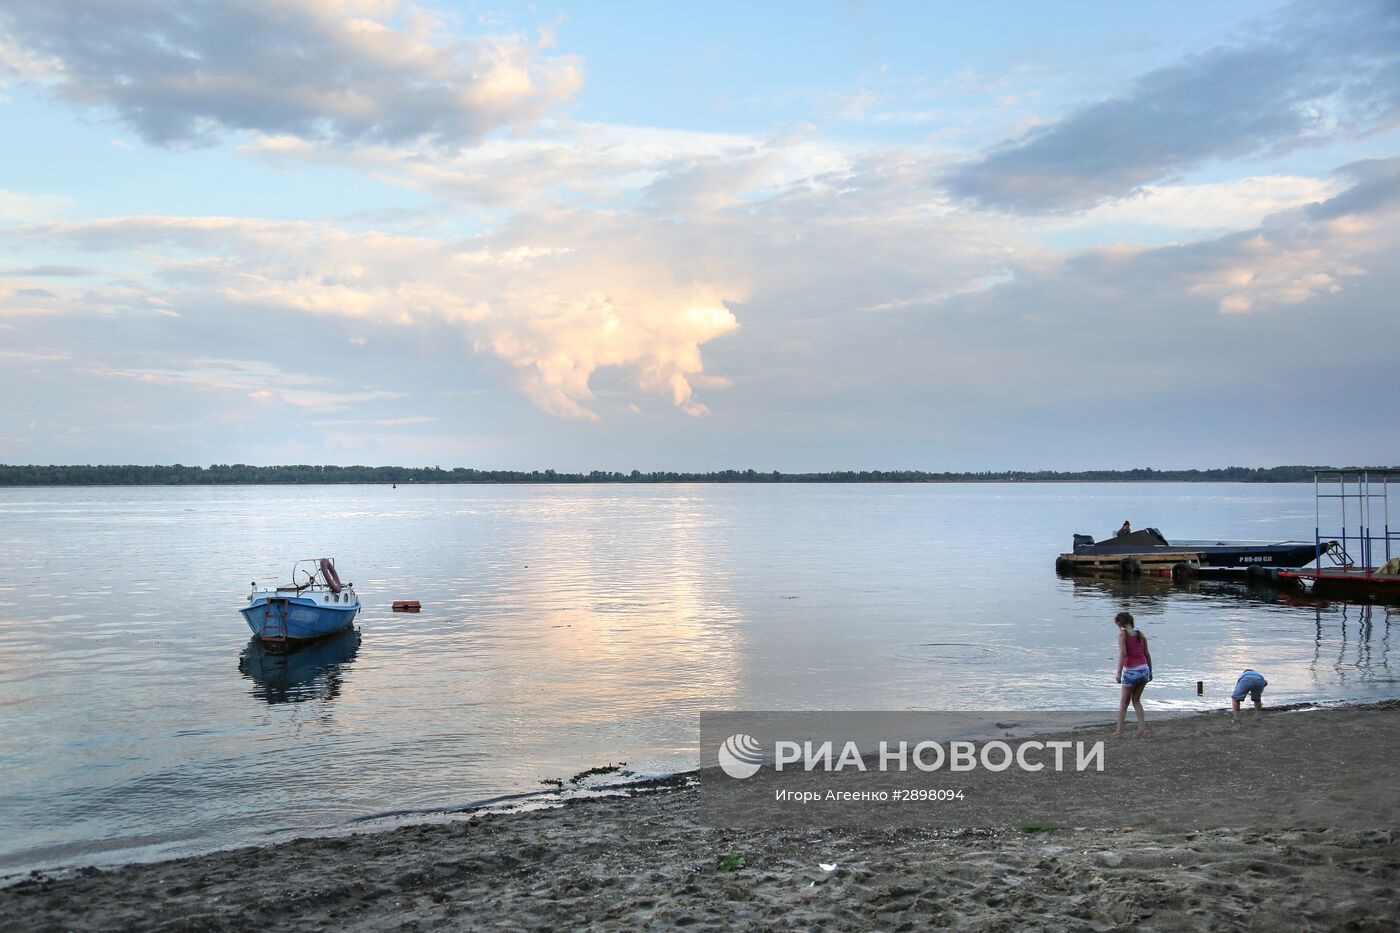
316,605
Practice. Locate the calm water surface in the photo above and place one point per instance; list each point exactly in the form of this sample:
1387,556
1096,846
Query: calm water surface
568,627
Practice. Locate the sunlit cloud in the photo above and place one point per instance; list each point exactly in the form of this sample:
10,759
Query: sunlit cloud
556,314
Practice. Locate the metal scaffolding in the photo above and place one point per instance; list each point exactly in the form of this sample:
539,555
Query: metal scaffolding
1363,500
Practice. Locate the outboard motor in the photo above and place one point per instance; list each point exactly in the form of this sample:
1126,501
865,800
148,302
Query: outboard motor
1083,540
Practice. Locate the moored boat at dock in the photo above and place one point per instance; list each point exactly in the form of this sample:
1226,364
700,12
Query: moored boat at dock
1211,554
315,606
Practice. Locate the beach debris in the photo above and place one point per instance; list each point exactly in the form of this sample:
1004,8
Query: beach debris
825,867
1111,859
552,782
601,769
733,862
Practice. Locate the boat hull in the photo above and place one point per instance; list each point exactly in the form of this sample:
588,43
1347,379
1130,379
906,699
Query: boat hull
297,619
1286,554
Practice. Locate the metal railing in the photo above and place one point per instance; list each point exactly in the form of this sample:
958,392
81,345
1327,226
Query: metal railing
1364,533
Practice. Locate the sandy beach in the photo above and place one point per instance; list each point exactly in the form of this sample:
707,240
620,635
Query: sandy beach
647,860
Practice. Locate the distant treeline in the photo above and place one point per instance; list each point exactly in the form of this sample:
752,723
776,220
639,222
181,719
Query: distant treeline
225,474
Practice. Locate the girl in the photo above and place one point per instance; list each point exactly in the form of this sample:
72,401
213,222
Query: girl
1134,671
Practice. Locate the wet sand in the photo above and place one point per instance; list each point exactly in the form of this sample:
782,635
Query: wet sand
647,861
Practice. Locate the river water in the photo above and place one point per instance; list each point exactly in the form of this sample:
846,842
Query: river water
567,627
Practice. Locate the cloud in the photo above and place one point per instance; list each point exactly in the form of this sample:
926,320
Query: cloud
1146,340
1292,257
555,316
20,299
377,422
1324,70
51,270
25,356
571,165
255,379
332,71
636,286
1230,205
812,289
27,208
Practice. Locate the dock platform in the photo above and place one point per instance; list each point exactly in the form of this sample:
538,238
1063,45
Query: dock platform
1176,565
1344,583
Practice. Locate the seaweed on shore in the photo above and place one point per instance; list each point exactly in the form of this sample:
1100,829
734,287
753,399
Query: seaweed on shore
610,768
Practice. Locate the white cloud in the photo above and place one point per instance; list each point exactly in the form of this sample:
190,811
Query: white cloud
553,314
639,285
16,207
574,163
1218,206
329,70
251,378
24,356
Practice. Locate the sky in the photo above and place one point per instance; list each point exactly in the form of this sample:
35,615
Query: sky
791,236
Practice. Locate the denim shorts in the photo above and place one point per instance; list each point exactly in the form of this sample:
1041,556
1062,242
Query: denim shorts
1250,685
1132,676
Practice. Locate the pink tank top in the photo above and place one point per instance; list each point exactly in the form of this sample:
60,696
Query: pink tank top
1137,650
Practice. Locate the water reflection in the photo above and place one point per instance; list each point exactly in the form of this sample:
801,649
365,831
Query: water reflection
1142,596
1358,649
1210,630
309,673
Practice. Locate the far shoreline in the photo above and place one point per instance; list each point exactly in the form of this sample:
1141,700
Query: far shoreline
677,482
242,474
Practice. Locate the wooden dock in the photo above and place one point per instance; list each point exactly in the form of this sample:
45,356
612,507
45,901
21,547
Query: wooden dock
1178,566
1339,583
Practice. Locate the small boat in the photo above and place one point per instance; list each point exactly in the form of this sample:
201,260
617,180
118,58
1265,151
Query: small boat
1211,553
316,605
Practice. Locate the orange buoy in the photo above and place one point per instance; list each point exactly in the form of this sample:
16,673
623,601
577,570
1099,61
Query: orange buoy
406,605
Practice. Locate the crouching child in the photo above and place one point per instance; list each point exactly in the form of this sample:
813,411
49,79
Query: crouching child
1251,684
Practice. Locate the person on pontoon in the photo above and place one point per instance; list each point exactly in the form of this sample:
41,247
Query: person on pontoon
1126,529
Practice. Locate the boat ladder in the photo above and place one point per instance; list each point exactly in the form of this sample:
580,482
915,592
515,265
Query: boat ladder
274,620
1338,555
